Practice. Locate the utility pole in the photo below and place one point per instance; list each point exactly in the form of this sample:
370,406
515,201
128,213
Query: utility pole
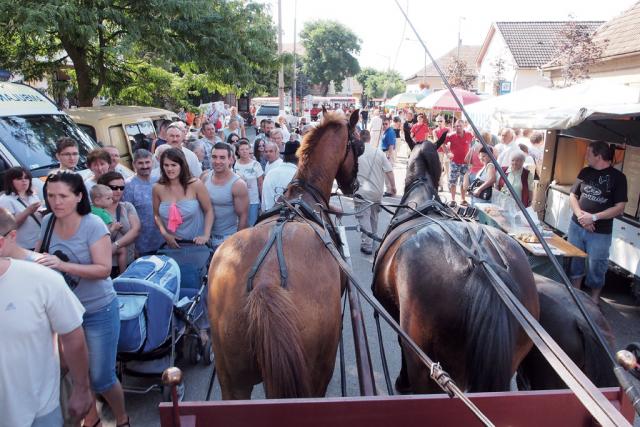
460,19
281,71
294,104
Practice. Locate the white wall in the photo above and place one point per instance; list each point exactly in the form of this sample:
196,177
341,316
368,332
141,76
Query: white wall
527,77
497,49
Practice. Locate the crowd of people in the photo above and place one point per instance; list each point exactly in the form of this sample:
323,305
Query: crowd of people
195,184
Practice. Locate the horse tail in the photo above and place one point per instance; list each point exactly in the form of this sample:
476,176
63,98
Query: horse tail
490,334
277,343
597,365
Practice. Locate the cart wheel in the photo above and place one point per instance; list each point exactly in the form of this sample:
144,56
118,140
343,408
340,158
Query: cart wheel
166,393
207,353
191,351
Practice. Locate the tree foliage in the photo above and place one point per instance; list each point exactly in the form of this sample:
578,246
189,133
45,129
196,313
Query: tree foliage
375,83
111,44
459,74
576,52
330,48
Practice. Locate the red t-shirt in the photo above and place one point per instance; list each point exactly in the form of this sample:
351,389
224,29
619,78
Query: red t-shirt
459,146
439,133
419,132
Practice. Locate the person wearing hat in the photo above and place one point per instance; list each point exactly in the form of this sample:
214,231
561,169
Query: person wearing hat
277,179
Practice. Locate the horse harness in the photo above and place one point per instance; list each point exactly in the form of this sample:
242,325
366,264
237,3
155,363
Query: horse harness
289,211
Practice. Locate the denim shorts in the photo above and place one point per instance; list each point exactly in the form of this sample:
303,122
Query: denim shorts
254,211
596,245
53,418
457,172
102,330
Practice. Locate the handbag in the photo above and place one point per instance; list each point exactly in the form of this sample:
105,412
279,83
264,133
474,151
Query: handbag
484,194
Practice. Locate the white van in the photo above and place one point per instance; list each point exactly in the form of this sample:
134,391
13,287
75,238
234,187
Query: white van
30,125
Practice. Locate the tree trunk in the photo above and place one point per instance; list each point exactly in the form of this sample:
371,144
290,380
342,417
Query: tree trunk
325,88
86,90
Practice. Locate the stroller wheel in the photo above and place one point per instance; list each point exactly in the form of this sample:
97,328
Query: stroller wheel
190,350
207,353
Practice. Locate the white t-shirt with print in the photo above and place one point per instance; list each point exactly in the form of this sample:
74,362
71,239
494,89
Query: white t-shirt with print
35,304
250,173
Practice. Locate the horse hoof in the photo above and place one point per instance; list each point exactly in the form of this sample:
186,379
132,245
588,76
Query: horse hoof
402,387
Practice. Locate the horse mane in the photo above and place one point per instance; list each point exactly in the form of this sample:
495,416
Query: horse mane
330,122
424,162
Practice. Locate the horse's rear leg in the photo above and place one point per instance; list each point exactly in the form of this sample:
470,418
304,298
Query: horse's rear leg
234,385
403,385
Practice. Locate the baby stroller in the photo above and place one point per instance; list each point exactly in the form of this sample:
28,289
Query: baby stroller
162,315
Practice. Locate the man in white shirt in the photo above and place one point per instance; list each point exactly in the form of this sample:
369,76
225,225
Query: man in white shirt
506,148
278,178
373,166
174,140
35,305
115,160
272,154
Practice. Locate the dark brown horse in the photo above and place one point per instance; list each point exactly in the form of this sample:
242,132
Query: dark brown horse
441,298
561,318
283,327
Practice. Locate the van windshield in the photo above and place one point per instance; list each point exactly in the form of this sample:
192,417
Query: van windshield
32,140
268,110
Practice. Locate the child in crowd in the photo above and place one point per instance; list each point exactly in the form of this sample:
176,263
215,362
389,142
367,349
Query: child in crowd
102,198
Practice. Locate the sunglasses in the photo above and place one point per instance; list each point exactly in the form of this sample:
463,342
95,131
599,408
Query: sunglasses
116,187
7,233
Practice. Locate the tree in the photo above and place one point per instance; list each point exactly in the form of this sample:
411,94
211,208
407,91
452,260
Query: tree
108,41
498,74
330,48
376,84
576,52
459,74
363,77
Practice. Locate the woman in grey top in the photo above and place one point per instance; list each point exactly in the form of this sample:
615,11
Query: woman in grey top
181,206
76,243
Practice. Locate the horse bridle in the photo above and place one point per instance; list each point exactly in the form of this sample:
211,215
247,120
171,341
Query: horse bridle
357,148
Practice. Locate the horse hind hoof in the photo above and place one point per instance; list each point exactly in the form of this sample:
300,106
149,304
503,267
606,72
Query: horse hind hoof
402,387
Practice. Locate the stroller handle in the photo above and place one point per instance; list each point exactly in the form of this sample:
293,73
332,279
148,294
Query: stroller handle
187,242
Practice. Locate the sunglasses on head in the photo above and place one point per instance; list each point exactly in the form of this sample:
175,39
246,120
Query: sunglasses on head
116,187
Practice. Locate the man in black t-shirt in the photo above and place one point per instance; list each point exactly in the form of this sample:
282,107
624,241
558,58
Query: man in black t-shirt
406,127
598,196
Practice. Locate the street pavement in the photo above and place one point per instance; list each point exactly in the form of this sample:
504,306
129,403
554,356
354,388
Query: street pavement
618,306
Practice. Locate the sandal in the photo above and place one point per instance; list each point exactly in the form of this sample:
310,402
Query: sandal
464,203
93,425
124,424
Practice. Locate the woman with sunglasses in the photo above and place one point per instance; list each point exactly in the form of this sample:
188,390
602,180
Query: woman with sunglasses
258,152
24,204
125,214
76,243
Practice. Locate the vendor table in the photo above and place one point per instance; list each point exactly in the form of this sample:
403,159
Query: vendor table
491,214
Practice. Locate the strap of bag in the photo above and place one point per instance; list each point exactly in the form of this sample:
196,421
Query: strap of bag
32,215
46,241
118,212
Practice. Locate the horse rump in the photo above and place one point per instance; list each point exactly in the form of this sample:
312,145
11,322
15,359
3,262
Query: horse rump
277,343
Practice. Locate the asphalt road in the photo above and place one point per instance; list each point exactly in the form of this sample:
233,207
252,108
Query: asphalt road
618,306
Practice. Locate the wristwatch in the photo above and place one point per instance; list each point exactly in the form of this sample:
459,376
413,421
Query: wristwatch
594,217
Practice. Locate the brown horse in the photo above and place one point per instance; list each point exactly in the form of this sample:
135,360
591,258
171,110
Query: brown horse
278,321
561,318
442,298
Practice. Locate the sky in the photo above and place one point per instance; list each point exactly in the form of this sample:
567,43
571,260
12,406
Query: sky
381,27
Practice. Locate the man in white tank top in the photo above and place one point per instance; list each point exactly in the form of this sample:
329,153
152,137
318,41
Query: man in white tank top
228,194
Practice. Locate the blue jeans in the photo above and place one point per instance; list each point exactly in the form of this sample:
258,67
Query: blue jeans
596,246
254,210
102,330
53,418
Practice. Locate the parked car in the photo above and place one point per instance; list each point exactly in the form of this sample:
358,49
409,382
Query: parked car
124,127
272,111
30,125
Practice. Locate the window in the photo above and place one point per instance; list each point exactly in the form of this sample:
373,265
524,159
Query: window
32,140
